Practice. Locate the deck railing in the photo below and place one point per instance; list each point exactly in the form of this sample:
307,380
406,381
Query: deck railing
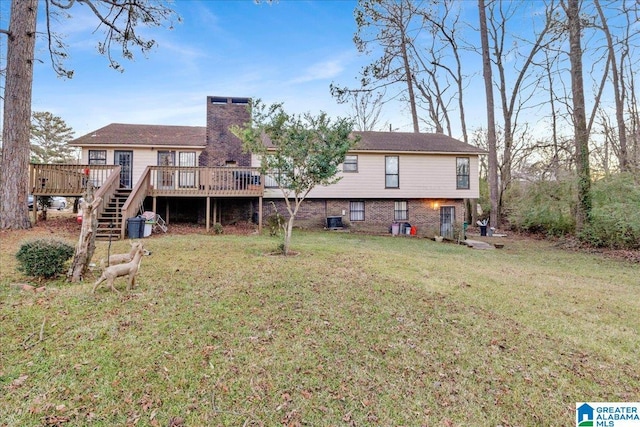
205,181
66,180
71,180
132,206
108,189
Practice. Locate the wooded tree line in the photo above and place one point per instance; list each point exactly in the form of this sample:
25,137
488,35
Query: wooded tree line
562,73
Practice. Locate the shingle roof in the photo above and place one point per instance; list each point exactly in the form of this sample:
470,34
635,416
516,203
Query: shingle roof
150,135
417,142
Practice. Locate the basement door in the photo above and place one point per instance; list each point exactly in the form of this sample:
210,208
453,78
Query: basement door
447,215
125,160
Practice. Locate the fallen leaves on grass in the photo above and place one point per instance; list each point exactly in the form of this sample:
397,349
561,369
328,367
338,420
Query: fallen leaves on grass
29,288
18,382
176,422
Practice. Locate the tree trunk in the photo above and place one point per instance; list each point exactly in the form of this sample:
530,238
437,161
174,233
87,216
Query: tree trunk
87,240
14,170
583,211
491,123
408,73
287,235
618,92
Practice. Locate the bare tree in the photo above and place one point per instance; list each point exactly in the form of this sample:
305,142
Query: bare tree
518,86
433,95
491,122
118,19
366,107
634,123
390,25
445,27
618,86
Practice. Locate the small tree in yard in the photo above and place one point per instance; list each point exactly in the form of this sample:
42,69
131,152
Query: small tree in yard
298,151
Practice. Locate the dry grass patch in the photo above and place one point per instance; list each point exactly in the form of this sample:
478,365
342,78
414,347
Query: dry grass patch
355,330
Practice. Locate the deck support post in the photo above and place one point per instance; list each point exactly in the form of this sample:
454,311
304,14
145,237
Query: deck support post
215,210
208,213
260,215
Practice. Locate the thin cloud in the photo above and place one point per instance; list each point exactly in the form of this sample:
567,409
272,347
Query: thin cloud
324,70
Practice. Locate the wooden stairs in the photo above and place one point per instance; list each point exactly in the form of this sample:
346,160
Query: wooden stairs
110,220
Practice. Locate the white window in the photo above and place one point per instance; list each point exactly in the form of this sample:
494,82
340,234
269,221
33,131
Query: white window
356,211
462,173
350,164
97,157
400,211
392,172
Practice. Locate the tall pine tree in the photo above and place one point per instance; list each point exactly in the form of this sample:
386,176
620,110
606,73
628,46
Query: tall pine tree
50,137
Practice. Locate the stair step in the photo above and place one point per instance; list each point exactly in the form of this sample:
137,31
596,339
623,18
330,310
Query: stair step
110,220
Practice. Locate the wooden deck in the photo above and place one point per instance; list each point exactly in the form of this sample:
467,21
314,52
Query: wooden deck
165,181
156,181
216,182
66,180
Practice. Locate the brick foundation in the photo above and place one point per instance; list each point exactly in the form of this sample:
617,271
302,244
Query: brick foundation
378,217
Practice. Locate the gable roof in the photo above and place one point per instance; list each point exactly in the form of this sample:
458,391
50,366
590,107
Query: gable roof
413,142
118,134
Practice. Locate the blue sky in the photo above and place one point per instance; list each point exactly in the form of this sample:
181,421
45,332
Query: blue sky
289,51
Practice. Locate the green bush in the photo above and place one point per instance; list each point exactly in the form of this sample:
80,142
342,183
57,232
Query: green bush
615,217
275,223
217,228
548,207
43,257
543,207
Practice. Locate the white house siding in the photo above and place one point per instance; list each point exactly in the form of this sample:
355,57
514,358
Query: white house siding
420,176
142,157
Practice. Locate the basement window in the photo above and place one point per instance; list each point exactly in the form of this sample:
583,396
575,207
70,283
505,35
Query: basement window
356,211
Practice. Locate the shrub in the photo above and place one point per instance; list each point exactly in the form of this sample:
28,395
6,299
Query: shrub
543,207
275,223
217,228
43,257
615,218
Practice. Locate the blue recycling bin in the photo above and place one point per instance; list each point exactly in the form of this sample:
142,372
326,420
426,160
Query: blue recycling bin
135,227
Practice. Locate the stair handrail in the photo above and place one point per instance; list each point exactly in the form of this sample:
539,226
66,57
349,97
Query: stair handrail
108,189
136,199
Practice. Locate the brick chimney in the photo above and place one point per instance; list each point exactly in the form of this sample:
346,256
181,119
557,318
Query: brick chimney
224,148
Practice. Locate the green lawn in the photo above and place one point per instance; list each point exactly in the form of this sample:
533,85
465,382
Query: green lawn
354,330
